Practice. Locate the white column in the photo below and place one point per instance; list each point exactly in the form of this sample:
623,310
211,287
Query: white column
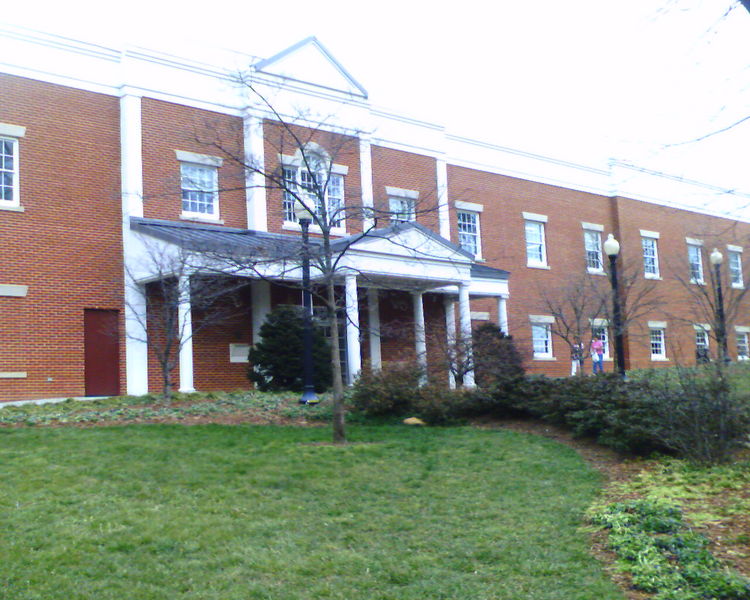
450,331
255,191
260,296
420,339
373,311
185,331
365,170
464,311
442,193
353,356
502,315
131,182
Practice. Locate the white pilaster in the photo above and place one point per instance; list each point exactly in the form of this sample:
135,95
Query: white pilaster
464,311
373,311
353,355
365,170
185,331
420,339
450,330
131,182
260,295
442,193
502,315
255,191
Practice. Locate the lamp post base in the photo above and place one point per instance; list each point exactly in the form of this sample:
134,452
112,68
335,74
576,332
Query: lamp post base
309,396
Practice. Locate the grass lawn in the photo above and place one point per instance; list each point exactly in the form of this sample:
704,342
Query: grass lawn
242,512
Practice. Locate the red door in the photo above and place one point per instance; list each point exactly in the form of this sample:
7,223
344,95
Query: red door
101,349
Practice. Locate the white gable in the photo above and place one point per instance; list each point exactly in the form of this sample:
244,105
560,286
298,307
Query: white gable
310,62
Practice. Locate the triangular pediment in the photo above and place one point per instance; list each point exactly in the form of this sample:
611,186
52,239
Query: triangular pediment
310,62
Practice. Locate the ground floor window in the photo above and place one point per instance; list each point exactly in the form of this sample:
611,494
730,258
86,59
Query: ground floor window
541,337
743,345
658,346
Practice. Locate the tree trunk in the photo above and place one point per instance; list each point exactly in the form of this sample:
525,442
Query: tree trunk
339,410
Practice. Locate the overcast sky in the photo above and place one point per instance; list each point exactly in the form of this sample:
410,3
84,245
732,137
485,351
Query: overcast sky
581,80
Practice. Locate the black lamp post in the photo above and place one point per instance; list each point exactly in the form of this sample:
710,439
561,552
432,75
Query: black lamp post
612,249
308,388
716,259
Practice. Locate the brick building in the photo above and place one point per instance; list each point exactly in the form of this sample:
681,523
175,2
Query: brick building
110,155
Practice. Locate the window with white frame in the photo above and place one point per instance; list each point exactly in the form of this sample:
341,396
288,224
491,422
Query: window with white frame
592,241
695,261
541,336
600,331
536,250
199,184
657,339
734,259
650,254
468,231
702,340
10,196
743,342
402,204
311,176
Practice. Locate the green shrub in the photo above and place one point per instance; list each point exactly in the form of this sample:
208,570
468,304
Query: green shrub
277,358
389,391
437,405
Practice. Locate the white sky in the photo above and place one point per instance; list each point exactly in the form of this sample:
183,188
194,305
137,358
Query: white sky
581,80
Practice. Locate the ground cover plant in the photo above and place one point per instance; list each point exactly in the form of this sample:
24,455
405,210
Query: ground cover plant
242,512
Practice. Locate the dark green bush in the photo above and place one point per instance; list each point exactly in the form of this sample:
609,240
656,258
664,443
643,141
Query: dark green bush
276,360
387,392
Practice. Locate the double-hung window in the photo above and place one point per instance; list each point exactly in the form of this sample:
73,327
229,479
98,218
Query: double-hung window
650,254
311,176
734,259
541,336
600,331
657,340
695,260
199,185
536,250
702,340
10,196
402,204
743,342
469,236
592,244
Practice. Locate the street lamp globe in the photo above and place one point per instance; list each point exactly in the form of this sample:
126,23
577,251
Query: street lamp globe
611,246
301,212
716,257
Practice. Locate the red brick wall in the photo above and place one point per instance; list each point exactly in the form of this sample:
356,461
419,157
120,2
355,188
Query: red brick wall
66,245
168,127
396,168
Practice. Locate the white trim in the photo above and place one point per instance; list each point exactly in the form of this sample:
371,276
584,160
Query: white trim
13,375
469,206
12,208
441,181
742,329
201,218
733,248
13,291
542,319
255,190
296,161
365,176
401,193
478,315
693,241
702,327
353,350
599,322
657,324
199,159
649,234
534,217
16,131
592,227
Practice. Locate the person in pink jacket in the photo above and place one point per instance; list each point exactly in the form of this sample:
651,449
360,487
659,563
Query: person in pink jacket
597,355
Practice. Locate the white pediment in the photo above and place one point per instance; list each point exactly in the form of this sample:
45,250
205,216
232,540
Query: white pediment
309,61
411,243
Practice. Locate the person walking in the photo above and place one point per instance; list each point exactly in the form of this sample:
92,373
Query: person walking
597,355
576,358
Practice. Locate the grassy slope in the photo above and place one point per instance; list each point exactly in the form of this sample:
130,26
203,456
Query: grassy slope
211,512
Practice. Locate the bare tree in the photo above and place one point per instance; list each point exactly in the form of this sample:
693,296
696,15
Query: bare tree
304,173
166,290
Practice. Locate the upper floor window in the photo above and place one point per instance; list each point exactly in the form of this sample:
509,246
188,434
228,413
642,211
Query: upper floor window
402,204
695,260
734,259
650,254
469,236
311,176
10,195
592,242
536,250
199,183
